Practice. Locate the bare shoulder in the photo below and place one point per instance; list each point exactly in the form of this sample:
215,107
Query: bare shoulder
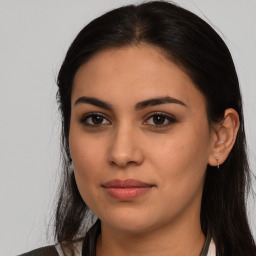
43,251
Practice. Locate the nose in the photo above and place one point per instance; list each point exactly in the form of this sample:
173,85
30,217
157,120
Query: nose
125,149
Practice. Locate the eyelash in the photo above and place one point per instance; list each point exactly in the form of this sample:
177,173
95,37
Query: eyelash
168,118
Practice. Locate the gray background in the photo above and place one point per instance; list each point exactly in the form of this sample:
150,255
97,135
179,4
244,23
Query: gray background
34,36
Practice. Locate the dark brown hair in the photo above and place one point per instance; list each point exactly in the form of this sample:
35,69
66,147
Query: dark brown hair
194,46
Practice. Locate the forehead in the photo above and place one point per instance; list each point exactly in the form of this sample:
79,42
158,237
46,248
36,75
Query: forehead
134,73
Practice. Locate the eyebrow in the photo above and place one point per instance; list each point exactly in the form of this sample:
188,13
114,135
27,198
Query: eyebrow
158,101
138,106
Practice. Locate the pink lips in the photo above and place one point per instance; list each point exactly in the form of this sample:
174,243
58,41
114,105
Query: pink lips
126,190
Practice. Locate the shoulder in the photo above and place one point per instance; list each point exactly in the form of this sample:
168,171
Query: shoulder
56,250
74,250
43,251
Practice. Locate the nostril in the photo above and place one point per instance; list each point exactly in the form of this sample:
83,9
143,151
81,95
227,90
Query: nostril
131,162
125,163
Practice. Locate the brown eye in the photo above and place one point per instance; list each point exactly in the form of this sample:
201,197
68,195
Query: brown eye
94,120
97,119
159,120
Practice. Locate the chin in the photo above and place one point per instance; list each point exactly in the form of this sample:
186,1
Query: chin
130,223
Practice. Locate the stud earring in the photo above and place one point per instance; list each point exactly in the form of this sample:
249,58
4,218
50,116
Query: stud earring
218,163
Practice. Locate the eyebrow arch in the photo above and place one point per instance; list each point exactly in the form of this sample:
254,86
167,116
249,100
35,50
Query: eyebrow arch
158,101
138,106
94,101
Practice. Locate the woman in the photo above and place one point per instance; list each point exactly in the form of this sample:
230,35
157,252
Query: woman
153,139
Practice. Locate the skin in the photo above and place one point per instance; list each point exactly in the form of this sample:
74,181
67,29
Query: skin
128,143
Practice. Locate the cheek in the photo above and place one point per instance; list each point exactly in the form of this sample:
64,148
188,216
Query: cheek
87,156
86,150
180,164
183,156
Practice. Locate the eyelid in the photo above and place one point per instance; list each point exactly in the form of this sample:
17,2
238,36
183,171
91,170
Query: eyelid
169,117
90,114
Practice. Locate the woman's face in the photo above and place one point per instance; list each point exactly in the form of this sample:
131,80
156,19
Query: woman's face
139,139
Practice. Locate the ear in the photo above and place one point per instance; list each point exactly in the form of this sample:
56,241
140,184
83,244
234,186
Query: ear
224,137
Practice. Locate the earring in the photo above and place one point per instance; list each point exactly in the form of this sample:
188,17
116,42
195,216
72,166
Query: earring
218,163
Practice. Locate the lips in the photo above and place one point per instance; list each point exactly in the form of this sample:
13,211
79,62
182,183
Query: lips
126,190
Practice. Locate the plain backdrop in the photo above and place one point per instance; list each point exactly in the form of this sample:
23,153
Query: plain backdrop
34,36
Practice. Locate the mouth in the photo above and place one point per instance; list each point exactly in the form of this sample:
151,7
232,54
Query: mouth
126,190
